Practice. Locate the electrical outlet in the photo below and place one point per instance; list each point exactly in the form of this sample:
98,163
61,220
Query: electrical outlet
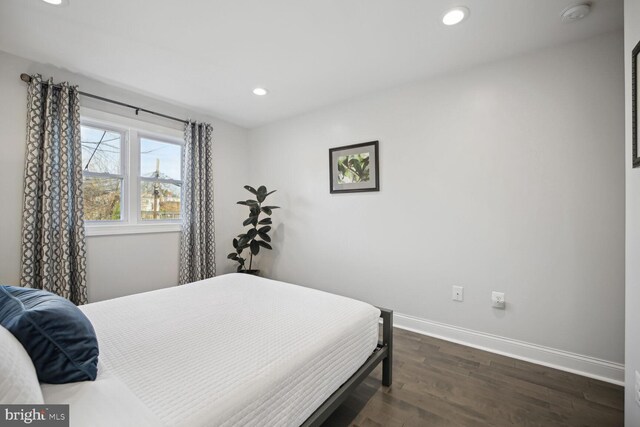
458,293
637,394
497,299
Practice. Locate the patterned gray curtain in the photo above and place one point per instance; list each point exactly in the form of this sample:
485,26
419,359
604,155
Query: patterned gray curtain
197,243
53,240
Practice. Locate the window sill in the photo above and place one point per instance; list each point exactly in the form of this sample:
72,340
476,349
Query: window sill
120,229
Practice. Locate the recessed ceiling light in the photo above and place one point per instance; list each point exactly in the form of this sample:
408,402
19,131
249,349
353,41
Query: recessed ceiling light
455,16
576,12
260,91
53,2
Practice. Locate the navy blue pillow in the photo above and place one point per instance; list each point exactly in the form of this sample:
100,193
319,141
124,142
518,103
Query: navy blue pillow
56,334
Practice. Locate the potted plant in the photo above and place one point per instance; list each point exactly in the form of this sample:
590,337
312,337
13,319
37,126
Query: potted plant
257,235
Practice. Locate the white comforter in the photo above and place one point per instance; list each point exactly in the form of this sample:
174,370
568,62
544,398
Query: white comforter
232,350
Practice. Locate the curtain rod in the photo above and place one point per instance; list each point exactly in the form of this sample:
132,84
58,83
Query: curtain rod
27,78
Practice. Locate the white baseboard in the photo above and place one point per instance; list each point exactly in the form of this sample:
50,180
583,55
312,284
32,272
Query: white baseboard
559,359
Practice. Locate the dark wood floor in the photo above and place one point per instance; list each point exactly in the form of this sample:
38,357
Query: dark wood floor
439,383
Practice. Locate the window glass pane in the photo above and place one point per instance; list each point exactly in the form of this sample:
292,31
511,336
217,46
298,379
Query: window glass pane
160,159
159,200
102,199
101,150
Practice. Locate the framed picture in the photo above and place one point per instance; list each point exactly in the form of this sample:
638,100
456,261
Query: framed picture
354,168
634,102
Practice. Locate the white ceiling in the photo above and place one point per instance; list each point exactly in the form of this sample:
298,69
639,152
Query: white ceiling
210,54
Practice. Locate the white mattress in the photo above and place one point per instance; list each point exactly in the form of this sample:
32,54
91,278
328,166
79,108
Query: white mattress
232,350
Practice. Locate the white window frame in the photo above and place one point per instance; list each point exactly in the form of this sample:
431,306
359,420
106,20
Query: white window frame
131,221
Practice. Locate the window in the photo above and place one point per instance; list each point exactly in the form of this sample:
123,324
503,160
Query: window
160,179
102,169
132,174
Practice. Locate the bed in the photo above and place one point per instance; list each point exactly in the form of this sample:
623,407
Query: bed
231,350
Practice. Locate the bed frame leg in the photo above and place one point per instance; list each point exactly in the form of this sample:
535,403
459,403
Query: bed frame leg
387,339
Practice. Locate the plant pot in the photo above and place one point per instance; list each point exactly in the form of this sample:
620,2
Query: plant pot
252,272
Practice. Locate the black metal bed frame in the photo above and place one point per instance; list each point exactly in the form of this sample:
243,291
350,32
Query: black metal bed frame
383,352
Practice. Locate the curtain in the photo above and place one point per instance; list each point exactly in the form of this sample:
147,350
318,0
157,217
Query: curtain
53,240
197,241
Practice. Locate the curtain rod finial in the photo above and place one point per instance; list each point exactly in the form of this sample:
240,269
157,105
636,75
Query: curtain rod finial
25,77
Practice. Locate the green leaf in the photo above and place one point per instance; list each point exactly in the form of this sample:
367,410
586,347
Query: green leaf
255,247
261,198
264,229
252,233
269,209
264,236
253,219
262,190
242,243
232,256
235,243
250,202
270,192
263,244
265,221
250,189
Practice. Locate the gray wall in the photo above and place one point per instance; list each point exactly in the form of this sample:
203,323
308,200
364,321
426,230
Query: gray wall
507,176
117,265
632,356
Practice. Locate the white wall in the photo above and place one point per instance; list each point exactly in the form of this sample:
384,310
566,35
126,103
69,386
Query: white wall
117,265
632,356
508,176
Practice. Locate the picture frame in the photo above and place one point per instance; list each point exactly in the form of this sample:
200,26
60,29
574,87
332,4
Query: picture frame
634,103
354,168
